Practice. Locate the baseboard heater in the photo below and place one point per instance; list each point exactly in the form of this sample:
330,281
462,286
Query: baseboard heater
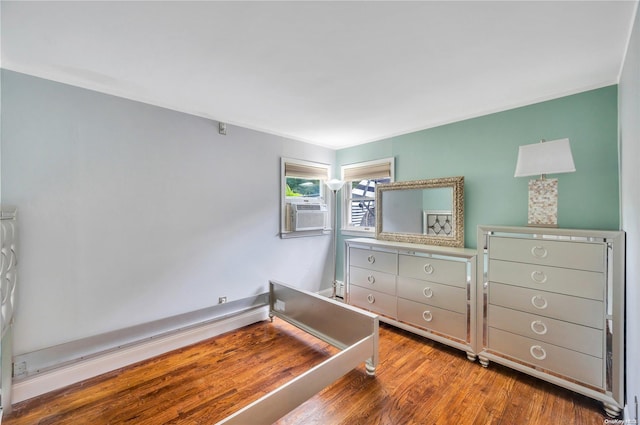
45,370
316,315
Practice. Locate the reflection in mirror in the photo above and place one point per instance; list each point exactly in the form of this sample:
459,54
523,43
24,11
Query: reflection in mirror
406,211
437,204
423,211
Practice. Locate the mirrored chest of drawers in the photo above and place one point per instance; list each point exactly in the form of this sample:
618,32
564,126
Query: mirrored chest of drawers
551,304
427,290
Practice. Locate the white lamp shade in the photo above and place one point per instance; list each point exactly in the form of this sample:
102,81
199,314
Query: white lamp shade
335,184
552,157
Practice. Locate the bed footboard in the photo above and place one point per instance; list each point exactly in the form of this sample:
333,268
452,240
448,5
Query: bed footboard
353,331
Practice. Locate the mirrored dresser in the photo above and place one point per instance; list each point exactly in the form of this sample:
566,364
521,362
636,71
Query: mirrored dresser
551,304
428,290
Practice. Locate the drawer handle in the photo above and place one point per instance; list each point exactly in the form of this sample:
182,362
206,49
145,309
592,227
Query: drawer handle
538,352
539,251
539,302
538,276
427,316
428,292
371,299
371,259
428,268
371,279
539,327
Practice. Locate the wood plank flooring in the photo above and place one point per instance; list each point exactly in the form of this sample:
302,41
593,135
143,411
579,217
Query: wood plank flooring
418,382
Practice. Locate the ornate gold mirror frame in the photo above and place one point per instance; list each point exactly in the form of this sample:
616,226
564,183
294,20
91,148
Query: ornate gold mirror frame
411,221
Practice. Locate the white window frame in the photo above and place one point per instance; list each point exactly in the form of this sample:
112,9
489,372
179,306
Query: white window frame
346,195
325,170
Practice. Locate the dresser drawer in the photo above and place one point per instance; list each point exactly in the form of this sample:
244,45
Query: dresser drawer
553,279
374,280
435,294
574,255
581,311
373,260
563,334
578,366
433,269
433,318
375,301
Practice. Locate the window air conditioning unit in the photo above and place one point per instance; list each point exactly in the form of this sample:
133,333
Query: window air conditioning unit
307,217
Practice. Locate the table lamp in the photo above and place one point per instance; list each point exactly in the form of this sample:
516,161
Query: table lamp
543,158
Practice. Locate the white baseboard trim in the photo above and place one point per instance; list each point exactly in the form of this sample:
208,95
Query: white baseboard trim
628,415
326,292
66,375
329,291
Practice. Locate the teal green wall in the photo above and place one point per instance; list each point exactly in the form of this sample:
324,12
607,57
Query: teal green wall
484,150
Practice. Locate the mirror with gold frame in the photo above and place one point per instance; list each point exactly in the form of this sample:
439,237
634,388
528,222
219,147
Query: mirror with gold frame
422,211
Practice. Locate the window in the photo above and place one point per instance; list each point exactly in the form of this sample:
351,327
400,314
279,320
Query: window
304,180
303,208
359,191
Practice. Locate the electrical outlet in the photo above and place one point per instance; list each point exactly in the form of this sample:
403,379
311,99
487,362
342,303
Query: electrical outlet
222,300
19,369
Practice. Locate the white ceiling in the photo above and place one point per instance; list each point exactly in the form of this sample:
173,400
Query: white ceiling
331,73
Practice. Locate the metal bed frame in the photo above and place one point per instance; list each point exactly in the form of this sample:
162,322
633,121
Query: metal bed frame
353,331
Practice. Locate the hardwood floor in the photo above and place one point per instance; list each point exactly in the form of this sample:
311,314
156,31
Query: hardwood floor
418,382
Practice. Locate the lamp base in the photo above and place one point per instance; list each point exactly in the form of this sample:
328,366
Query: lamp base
543,203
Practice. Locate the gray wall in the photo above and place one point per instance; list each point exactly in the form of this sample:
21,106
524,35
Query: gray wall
629,106
131,213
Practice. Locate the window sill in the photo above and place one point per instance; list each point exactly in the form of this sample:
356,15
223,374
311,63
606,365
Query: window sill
302,234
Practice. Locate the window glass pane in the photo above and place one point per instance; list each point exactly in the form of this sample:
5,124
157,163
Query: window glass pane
362,202
308,188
